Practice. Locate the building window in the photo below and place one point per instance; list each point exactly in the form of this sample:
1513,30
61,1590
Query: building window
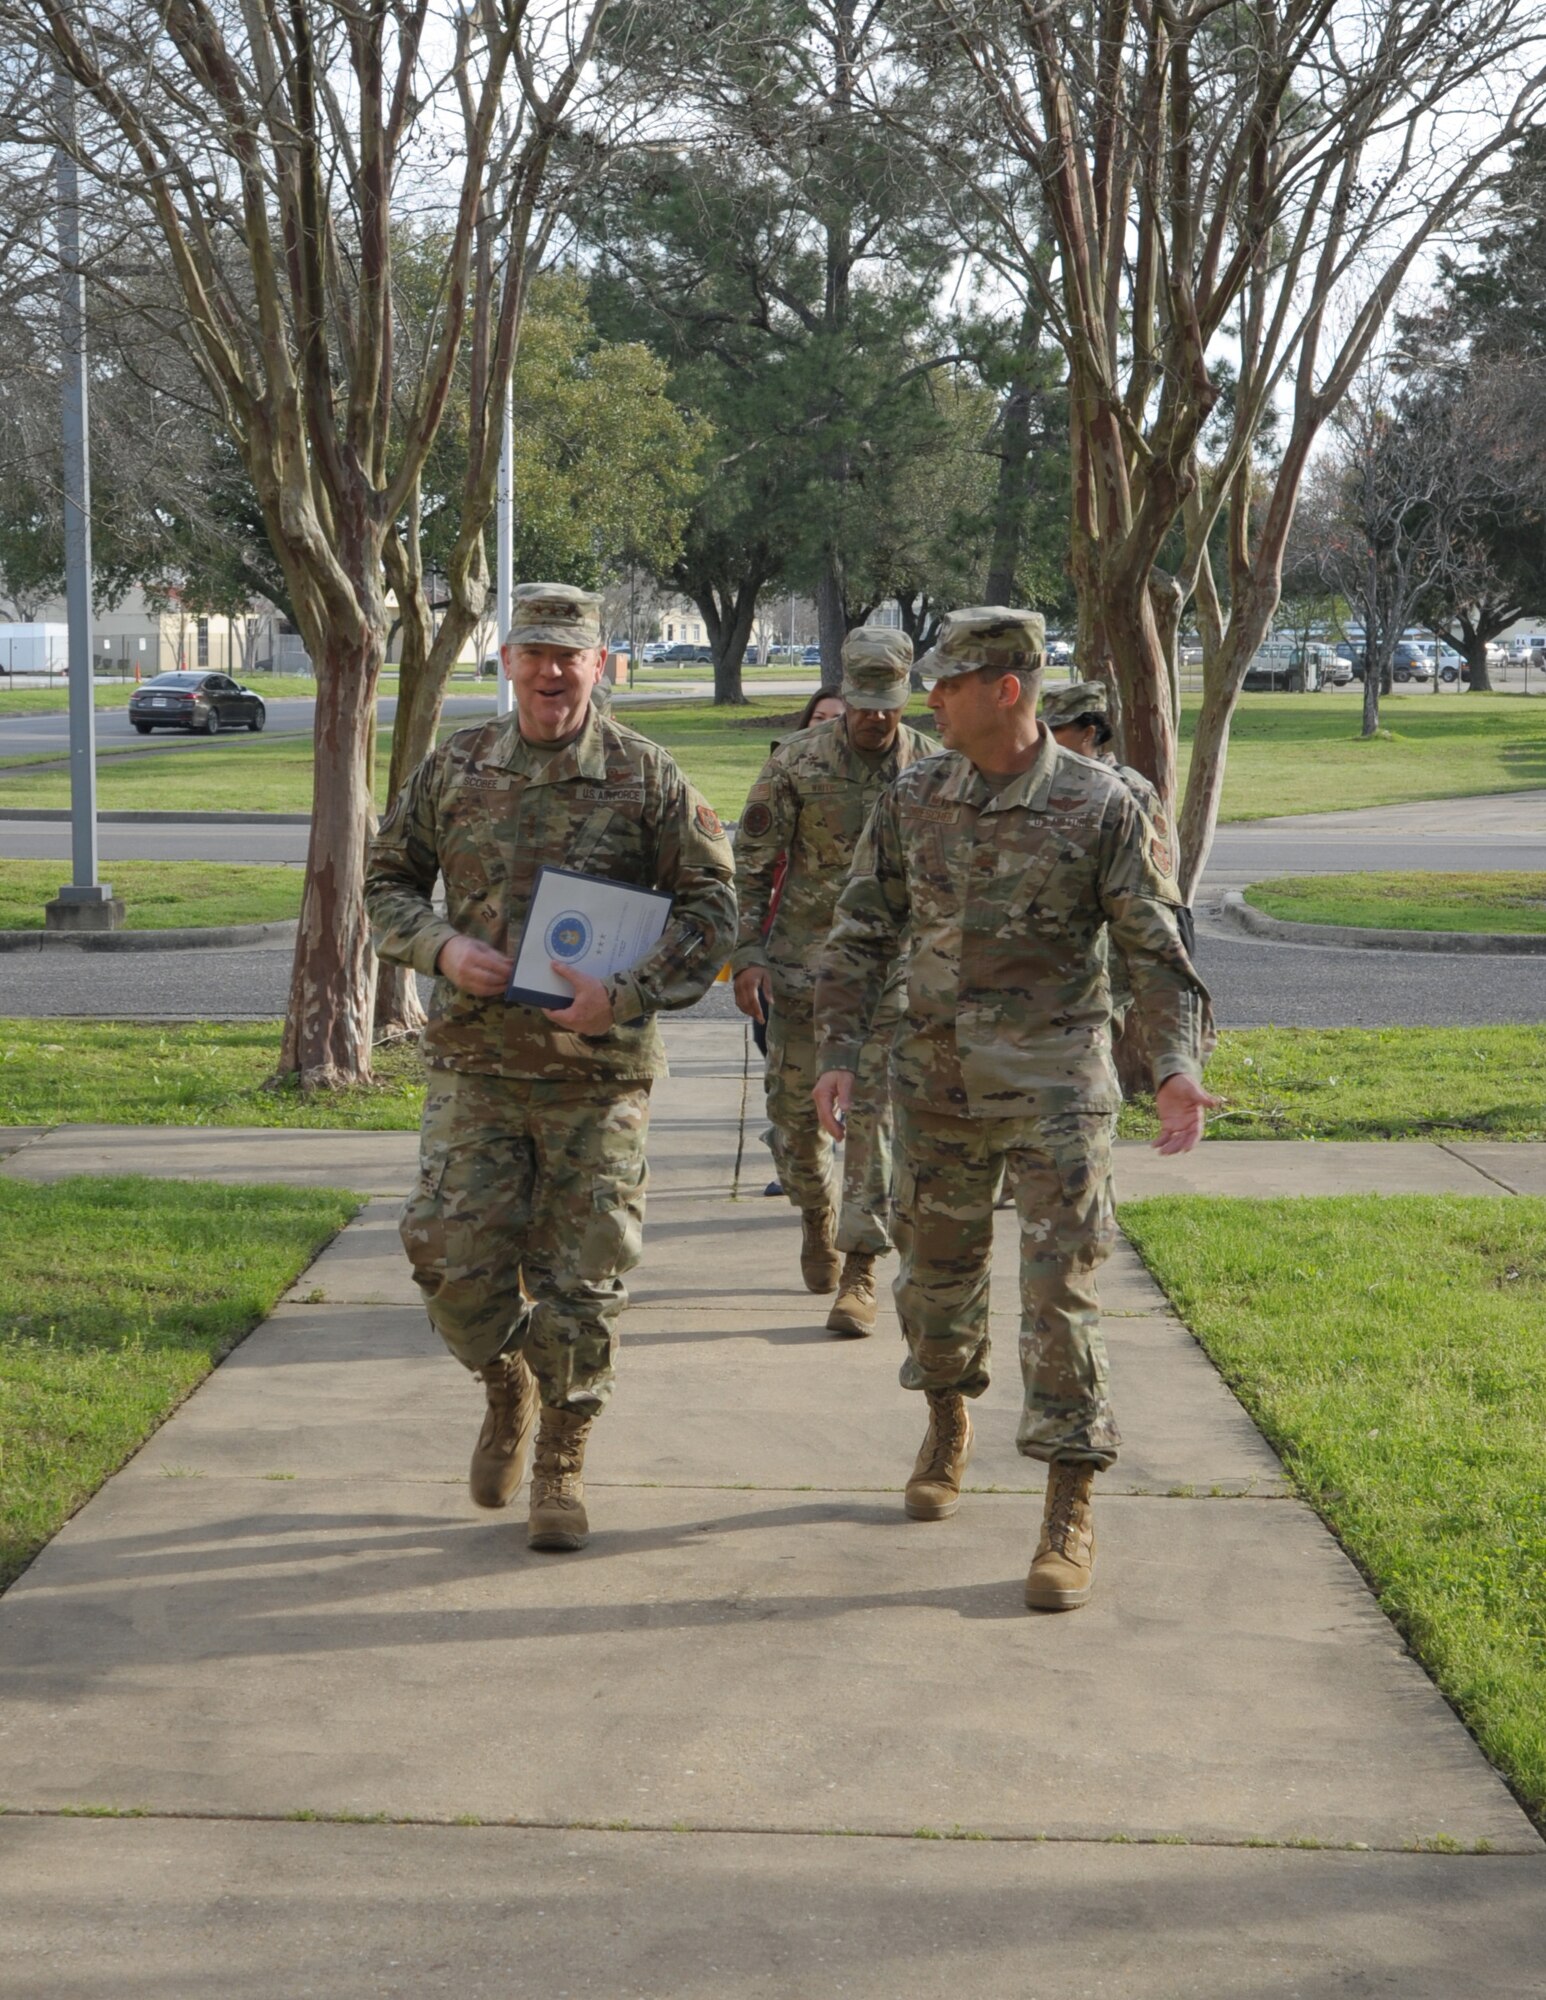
203,642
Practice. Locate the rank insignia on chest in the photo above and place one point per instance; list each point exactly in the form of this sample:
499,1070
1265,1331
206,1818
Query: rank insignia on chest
756,820
708,821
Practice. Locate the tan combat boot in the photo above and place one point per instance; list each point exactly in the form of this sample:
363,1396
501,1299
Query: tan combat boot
558,1519
935,1487
1063,1567
499,1456
818,1249
854,1311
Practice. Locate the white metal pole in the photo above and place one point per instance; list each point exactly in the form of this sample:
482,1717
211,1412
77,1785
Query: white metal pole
84,892
504,554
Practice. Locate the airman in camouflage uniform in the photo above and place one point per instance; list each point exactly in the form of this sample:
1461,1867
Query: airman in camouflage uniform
1080,718
1005,863
810,805
531,1157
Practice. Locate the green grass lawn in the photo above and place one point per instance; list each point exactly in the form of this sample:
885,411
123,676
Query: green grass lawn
1278,1083
1288,754
200,1073
1373,1083
115,694
234,773
1393,1349
1408,902
161,895
1303,753
117,1296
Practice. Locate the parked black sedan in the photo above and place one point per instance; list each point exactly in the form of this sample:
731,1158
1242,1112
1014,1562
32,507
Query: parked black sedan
206,702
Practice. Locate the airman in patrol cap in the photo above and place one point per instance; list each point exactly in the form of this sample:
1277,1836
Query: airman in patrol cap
1003,865
808,807
1080,718
531,1154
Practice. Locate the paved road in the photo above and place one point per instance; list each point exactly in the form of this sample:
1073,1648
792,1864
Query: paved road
33,735
1256,982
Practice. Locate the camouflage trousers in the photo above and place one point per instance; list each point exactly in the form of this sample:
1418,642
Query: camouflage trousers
541,1181
1059,1172
806,1158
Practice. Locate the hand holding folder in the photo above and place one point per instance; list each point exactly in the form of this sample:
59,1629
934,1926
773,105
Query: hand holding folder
587,924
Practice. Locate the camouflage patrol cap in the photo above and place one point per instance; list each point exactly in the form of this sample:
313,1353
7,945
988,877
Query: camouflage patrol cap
1064,706
987,635
554,614
876,659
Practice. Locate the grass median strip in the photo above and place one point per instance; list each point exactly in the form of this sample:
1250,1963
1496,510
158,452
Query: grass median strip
1392,1350
1277,1083
1288,754
117,1296
1392,901
161,895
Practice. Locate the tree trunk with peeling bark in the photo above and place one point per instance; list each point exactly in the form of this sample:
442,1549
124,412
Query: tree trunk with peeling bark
327,1031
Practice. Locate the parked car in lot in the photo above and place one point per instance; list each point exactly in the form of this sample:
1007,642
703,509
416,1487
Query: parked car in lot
1290,666
205,702
811,657
1410,663
682,653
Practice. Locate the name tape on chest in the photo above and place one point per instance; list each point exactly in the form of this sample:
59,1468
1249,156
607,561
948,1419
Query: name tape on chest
611,795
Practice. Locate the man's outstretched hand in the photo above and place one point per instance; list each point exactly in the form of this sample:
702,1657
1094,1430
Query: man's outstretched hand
753,989
833,1097
1183,1107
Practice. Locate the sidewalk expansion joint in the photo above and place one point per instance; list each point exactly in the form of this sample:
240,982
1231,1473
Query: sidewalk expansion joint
1445,1147
1418,1844
1219,1489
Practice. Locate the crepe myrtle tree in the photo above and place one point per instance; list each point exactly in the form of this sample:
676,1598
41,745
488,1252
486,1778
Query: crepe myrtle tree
263,154
1249,181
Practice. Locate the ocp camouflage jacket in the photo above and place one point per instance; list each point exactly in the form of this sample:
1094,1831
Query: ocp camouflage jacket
811,802
486,810
1005,898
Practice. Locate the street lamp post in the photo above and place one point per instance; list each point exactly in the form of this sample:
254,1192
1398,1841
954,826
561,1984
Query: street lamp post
504,548
83,903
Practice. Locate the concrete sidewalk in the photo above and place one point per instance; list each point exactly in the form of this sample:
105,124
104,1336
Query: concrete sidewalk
620,1773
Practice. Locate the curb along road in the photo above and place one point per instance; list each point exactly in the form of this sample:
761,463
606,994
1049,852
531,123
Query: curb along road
191,938
1355,937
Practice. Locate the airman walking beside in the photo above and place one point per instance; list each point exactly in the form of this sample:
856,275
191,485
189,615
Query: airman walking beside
531,1154
1079,717
1005,864
810,804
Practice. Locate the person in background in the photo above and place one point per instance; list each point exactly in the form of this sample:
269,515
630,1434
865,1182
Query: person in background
808,809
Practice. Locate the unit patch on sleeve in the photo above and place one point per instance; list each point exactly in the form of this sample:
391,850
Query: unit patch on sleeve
708,821
756,820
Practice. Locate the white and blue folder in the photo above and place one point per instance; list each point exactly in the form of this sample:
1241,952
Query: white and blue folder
587,922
